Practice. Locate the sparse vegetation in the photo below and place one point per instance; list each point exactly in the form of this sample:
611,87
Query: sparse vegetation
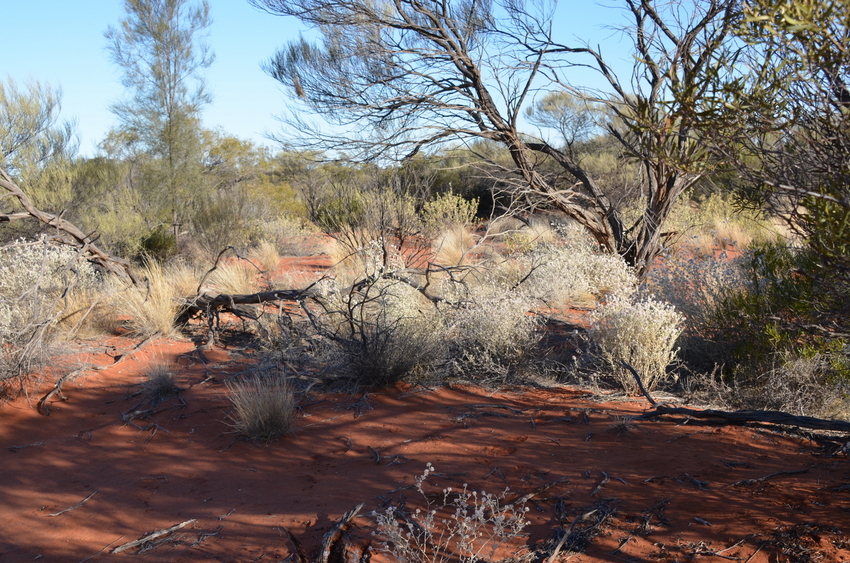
264,406
463,525
160,379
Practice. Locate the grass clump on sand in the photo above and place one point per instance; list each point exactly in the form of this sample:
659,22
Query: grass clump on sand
264,406
160,380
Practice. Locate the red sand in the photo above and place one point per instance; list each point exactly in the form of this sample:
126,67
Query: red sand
184,463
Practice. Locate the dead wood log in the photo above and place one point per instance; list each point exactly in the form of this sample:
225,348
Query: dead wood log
747,416
78,238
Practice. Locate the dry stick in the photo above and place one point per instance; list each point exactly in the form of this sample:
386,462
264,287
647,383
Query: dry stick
540,490
41,406
107,546
152,536
604,481
115,265
567,535
766,477
298,549
640,383
70,508
14,449
748,416
334,533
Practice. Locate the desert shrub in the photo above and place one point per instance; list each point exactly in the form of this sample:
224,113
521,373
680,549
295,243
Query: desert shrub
699,287
160,380
642,333
37,280
382,328
576,273
159,244
463,526
264,406
152,306
782,321
448,210
489,326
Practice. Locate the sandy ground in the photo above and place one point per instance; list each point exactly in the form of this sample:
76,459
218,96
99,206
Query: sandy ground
656,490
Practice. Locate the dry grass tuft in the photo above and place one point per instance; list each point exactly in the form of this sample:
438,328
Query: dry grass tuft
452,247
265,406
151,307
160,380
234,278
265,256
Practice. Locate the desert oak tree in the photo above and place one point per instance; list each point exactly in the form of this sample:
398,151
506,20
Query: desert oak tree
394,77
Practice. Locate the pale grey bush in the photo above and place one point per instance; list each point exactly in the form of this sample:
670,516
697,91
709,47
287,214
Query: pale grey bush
696,285
642,333
464,527
491,329
34,278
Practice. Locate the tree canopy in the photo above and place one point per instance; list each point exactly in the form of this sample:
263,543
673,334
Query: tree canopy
395,77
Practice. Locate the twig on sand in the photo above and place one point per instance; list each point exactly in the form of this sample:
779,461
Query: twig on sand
766,477
152,536
70,508
41,406
14,449
107,546
605,479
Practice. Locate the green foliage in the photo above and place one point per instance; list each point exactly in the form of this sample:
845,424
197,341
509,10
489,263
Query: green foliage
159,244
36,149
783,310
340,213
448,210
159,50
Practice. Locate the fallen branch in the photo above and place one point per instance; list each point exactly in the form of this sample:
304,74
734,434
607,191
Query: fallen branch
152,536
70,508
639,383
332,537
605,479
79,239
41,406
748,416
745,482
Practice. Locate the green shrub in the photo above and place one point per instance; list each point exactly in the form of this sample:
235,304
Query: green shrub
159,244
784,318
448,210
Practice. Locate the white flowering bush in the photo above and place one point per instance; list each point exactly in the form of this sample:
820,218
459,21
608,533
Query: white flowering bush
642,333
465,527
34,277
567,274
490,328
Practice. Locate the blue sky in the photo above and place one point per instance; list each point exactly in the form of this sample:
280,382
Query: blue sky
61,43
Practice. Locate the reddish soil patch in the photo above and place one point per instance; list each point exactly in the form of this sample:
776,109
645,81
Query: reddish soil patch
675,490
671,484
